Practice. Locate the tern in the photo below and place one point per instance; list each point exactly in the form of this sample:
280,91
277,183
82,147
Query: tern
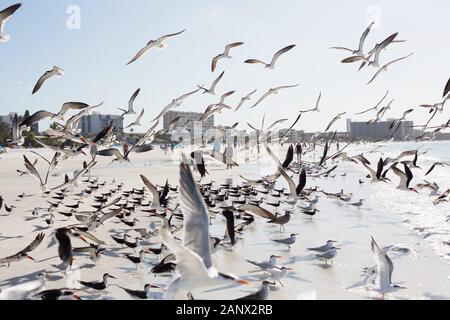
225,54
272,262
54,72
287,241
328,255
271,65
158,43
194,268
326,247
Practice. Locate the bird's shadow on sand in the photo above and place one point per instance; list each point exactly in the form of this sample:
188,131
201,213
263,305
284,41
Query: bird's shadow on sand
29,277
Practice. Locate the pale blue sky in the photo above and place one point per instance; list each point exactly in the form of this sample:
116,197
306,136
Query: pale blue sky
112,31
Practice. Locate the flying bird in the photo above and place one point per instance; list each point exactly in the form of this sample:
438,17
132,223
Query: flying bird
55,72
211,90
385,67
271,65
272,91
194,264
338,117
158,43
23,254
137,122
360,50
244,99
225,54
5,15
130,104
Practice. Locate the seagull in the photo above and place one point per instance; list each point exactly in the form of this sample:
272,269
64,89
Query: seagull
55,72
271,92
376,106
385,67
66,107
213,85
130,104
266,264
64,247
35,117
33,172
5,15
271,65
357,204
261,294
158,43
137,122
378,48
338,117
275,123
23,254
175,103
385,268
358,51
326,247
287,241
316,108
244,99
225,54
152,189
194,268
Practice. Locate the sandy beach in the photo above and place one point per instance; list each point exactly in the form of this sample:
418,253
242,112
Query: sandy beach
425,275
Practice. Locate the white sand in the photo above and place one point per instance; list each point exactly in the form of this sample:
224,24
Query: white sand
424,277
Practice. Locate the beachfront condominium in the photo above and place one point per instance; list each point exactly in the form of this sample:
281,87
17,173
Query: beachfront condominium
380,130
94,123
188,120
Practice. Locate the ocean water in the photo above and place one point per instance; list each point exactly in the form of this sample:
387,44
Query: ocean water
430,221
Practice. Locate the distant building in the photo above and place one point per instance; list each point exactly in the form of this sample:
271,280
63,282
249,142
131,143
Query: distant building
380,129
8,119
94,123
187,118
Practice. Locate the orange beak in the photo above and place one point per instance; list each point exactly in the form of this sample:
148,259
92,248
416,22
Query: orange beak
243,282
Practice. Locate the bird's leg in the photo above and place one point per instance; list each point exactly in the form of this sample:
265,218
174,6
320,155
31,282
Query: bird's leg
281,283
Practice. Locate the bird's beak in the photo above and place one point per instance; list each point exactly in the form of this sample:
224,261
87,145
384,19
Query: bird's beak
83,152
155,286
338,248
112,276
31,258
76,297
243,282
278,257
289,269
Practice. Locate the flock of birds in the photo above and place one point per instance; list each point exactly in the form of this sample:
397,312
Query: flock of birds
193,205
